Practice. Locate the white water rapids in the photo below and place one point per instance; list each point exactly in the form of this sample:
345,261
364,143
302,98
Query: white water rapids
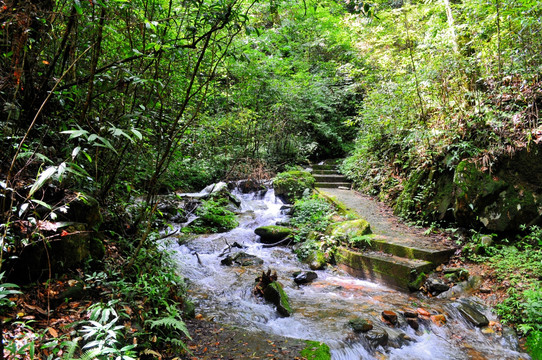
323,308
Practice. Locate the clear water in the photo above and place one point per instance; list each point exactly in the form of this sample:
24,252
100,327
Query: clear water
322,309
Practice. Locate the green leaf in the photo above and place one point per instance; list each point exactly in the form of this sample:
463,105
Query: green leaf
137,133
42,203
78,8
75,133
75,152
44,176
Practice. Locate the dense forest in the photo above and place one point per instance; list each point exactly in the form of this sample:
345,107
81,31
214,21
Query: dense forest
434,107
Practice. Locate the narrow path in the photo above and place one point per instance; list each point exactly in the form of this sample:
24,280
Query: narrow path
382,220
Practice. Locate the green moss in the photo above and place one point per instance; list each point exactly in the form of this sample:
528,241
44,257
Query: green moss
283,303
416,284
350,229
316,351
213,218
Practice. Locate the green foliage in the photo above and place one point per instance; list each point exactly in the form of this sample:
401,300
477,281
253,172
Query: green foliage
520,265
534,344
316,351
293,185
7,290
433,85
360,241
310,214
307,249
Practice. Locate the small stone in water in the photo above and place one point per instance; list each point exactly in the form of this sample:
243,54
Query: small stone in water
410,313
305,277
390,316
377,337
423,312
361,325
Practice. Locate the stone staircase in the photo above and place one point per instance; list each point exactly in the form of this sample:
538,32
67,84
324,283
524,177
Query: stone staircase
328,176
395,255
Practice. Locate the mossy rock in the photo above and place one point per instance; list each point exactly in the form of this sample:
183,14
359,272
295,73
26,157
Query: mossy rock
490,200
316,260
349,229
272,233
316,351
82,209
291,185
274,293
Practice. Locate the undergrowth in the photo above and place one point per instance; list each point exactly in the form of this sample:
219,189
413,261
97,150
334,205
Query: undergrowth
311,214
134,311
519,265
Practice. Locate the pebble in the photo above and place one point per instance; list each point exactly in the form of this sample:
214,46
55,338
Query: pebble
390,316
423,312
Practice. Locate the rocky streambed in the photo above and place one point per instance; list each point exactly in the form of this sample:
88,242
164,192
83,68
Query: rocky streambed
357,319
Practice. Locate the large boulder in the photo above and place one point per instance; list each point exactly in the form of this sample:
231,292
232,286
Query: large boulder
291,185
69,247
501,201
272,234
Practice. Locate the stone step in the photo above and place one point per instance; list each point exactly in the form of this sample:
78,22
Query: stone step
324,167
332,185
330,178
324,172
409,248
397,272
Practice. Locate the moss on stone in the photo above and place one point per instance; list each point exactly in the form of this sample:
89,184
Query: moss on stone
316,351
349,229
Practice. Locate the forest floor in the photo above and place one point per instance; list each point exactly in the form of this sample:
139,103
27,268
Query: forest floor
211,340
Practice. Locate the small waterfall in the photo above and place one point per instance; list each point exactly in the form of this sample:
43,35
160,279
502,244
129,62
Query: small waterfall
323,308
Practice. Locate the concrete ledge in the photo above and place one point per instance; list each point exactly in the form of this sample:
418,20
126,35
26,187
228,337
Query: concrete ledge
390,270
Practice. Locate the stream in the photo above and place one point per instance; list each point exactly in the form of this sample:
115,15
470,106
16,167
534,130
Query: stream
323,308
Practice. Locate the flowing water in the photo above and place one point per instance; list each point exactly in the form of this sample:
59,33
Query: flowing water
323,308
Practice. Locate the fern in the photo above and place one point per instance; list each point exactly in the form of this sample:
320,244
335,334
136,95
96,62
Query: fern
170,322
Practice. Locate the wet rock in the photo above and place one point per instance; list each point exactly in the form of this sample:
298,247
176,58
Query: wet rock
316,260
305,277
241,259
456,274
286,209
468,309
413,323
377,337
389,316
423,312
435,286
398,339
276,295
272,233
361,325
410,313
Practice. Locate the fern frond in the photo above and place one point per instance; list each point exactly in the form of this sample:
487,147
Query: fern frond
170,323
